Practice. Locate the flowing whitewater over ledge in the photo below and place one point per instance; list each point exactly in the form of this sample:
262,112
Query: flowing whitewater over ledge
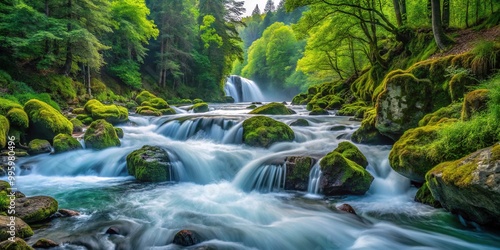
243,90
232,195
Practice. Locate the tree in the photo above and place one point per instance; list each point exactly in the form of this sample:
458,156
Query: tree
437,28
269,6
256,11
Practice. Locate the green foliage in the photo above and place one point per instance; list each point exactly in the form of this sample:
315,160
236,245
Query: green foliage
485,57
273,108
101,135
45,121
262,131
63,143
128,72
208,33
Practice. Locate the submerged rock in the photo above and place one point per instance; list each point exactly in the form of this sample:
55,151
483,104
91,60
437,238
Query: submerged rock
272,108
21,229
36,208
297,172
68,213
318,111
346,208
470,186
45,244
300,123
17,244
38,146
262,131
149,164
200,107
101,135
185,238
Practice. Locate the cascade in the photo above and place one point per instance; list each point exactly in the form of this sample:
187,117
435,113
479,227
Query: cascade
314,179
242,89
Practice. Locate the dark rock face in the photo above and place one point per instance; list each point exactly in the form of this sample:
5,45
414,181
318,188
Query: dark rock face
185,238
470,186
297,172
45,244
346,208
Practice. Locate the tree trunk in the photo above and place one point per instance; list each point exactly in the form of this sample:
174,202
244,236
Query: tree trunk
397,11
446,14
467,14
477,11
69,54
437,28
404,16
89,90
162,49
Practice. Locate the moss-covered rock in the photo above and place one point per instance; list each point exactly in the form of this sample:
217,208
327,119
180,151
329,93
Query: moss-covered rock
101,135
77,125
413,154
367,133
6,105
300,123
45,121
119,132
458,85
38,146
85,119
200,107
424,196
252,106
64,143
351,152
297,172
18,118
273,108
147,111
357,110
262,131
197,100
469,186
318,111
156,102
17,244
111,113
79,111
442,115
474,102
36,208
342,176
149,164
45,243
131,105
21,229
299,99
144,96
4,131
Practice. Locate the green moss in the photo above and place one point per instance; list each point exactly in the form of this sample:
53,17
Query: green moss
318,111
169,111
119,132
77,125
351,152
424,196
366,84
367,133
79,111
474,102
459,83
111,113
343,175
17,244
253,106
356,109
262,131
451,111
149,164
38,146
273,108
157,103
18,118
299,99
64,143
4,130
147,111
43,212
454,173
200,107
101,135
6,105
197,100
144,96
45,121
131,105
300,122
300,171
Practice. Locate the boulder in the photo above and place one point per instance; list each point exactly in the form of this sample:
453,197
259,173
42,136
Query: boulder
300,123
368,133
111,113
101,135
424,196
77,125
18,226
156,102
38,146
68,213
149,164
273,108
17,244
150,111
446,114
341,176
318,111
197,100
297,172
119,132
200,107
474,102
228,99
253,106
45,244
18,118
78,111
470,186
346,208
351,152
45,121
185,238
64,143
4,131
144,96
262,131
36,208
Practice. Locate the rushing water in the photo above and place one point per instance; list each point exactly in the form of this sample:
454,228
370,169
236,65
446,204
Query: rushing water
243,90
233,195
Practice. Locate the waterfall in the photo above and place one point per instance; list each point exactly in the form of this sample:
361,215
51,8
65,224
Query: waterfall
270,178
243,90
216,129
314,179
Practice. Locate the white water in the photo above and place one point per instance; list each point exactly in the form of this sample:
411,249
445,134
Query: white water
314,179
233,195
243,90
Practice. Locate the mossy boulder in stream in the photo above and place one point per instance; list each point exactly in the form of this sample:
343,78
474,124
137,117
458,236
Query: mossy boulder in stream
17,244
111,113
64,143
36,208
149,164
368,133
351,152
21,229
200,107
341,176
273,108
300,123
45,121
144,96
262,131
297,172
4,131
101,135
38,146
156,102
424,196
470,186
